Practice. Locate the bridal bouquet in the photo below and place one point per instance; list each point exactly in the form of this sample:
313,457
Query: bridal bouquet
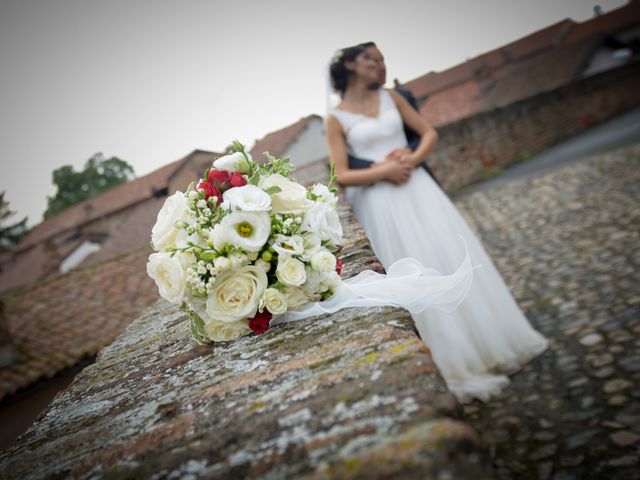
243,244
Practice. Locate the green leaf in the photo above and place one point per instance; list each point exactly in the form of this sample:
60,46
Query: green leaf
330,246
254,179
272,190
208,255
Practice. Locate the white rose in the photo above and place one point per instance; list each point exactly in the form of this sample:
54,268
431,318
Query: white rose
292,197
312,244
323,261
325,194
238,259
230,162
225,331
324,221
284,245
263,265
236,293
332,280
296,298
290,271
164,232
248,198
167,272
313,285
222,264
247,230
274,301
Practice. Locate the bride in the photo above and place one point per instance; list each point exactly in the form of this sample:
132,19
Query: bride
406,214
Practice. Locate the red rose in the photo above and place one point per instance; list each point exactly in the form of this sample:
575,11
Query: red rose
237,180
260,323
338,266
217,193
207,188
219,177
210,191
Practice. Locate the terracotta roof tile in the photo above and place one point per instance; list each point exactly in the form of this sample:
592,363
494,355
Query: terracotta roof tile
516,81
59,322
110,201
611,22
276,143
536,42
545,59
133,232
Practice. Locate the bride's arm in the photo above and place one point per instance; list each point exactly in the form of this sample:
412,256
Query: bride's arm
428,135
338,155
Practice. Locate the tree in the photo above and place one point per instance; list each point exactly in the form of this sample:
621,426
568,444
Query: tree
99,175
10,235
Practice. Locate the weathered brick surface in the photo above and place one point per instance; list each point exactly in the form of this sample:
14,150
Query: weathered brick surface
350,395
473,148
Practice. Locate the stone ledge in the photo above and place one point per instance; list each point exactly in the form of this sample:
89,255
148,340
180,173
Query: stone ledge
350,395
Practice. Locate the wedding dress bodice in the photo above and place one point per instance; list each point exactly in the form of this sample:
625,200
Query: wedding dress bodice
372,138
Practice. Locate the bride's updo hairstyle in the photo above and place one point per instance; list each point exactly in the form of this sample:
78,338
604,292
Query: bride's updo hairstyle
340,74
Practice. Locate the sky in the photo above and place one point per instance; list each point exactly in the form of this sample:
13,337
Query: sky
149,81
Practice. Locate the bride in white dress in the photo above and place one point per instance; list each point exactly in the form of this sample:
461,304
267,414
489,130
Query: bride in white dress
406,214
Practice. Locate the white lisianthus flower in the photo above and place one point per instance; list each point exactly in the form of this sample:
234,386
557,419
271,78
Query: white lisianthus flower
247,230
225,331
263,265
247,198
296,298
323,261
164,232
274,301
230,162
292,197
236,293
290,271
312,244
324,221
168,274
326,195
285,245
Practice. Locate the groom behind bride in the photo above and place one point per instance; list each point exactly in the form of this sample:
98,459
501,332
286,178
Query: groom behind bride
413,139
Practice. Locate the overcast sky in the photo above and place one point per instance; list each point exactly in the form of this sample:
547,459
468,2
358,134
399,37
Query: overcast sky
150,81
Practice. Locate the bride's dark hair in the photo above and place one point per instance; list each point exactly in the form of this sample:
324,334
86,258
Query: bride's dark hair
339,72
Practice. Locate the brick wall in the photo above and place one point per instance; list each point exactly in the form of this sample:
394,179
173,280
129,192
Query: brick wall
349,395
470,149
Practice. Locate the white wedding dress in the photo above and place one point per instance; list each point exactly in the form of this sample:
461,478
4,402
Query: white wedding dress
487,336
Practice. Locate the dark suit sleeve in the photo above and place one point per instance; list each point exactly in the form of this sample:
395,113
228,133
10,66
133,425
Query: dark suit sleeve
413,139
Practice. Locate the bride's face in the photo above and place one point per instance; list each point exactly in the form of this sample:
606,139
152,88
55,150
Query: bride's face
377,56
369,66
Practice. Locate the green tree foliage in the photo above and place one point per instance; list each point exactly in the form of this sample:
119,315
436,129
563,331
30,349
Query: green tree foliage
10,235
99,174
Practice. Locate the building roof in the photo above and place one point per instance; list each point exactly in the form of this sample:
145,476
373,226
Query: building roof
112,200
544,60
59,322
276,143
